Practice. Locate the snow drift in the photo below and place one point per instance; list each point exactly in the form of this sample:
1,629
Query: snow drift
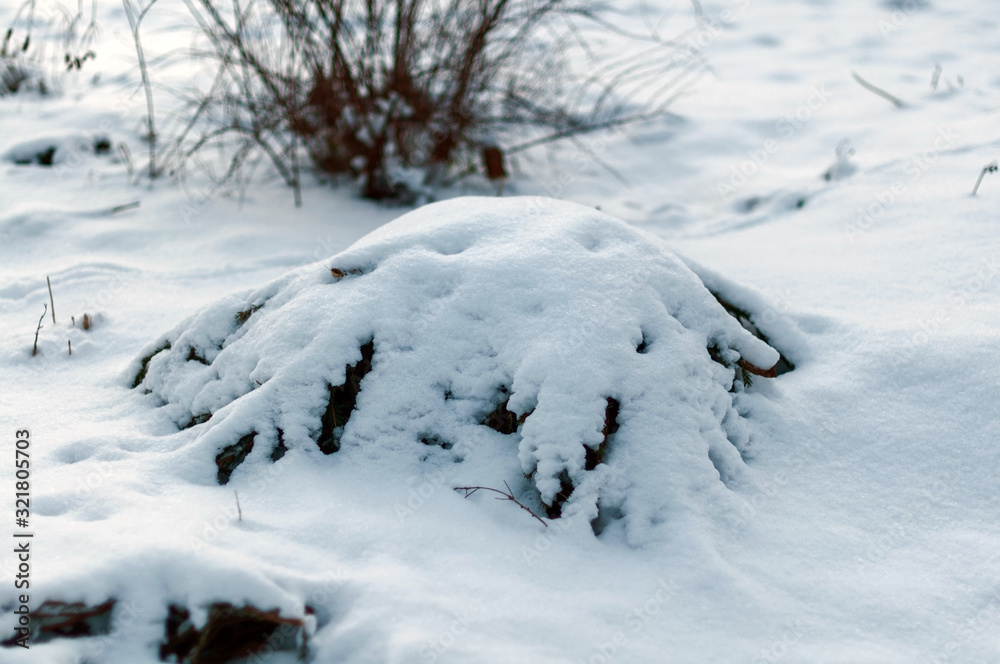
534,342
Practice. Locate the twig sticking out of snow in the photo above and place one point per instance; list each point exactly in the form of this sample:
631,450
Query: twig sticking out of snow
127,158
509,495
988,168
895,101
34,349
239,510
135,13
51,301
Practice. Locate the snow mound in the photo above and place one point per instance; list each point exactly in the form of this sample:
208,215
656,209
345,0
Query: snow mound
56,149
530,341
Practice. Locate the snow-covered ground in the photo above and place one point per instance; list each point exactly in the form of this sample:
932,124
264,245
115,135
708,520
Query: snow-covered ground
862,521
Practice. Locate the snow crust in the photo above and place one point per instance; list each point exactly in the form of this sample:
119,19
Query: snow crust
471,303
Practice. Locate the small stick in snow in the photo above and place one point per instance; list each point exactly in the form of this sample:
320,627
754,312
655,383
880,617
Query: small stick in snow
239,511
469,490
988,168
51,301
877,90
122,208
70,342
127,158
34,349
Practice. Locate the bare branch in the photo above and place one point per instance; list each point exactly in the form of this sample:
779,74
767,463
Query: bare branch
34,349
508,495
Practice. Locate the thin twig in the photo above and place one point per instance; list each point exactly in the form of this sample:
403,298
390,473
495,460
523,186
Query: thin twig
135,17
469,490
988,168
582,147
53,302
238,509
127,157
34,349
895,101
122,208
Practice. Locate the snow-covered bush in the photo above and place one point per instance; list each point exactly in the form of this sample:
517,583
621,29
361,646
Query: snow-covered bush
531,341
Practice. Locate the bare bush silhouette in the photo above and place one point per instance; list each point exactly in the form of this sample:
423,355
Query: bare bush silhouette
42,39
443,86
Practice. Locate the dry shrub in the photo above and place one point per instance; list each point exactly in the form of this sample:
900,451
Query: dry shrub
364,87
42,39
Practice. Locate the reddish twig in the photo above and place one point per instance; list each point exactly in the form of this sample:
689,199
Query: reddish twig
754,369
469,490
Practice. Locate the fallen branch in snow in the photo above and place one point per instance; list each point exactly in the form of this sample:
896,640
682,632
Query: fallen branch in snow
988,168
34,349
108,211
509,495
122,208
896,101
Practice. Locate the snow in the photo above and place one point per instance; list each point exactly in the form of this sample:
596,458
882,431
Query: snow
469,303
860,520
